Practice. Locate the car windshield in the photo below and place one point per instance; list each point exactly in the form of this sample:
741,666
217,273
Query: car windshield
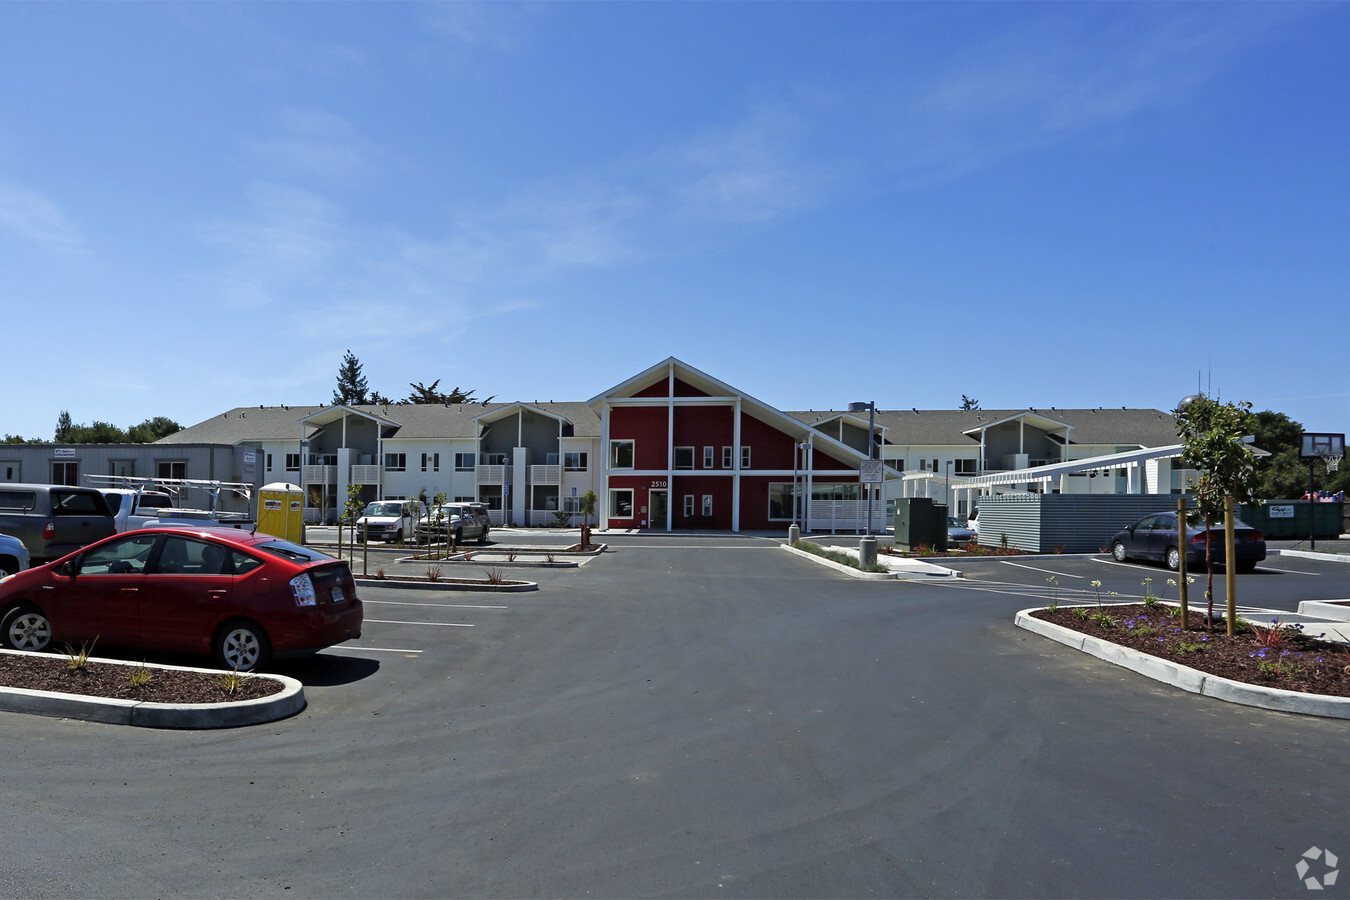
954,522
384,509
293,552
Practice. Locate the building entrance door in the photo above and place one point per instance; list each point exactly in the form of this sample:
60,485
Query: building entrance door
656,510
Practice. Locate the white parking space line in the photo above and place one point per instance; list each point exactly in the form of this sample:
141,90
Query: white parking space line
364,649
1265,568
423,624
431,605
1129,565
1046,571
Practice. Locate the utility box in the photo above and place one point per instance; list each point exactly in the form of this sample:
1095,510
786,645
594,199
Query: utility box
1295,519
919,522
281,511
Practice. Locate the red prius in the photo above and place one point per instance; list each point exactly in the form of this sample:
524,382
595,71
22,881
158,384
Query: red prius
241,598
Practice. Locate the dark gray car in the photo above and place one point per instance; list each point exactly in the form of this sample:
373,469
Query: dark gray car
53,519
1155,538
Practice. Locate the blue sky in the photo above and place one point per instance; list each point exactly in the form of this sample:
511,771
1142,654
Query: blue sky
1036,204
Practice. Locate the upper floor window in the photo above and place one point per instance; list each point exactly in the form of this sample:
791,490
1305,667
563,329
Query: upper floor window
684,457
745,457
621,454
726,457
396,462
432,460
464,462
707,457
575,461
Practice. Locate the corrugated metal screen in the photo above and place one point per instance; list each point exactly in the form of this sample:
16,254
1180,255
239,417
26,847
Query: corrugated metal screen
1068,523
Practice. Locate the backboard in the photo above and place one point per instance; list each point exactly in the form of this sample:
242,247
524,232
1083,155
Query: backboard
1319,445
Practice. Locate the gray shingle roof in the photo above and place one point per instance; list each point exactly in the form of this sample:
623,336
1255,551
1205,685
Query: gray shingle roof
282,423
947,427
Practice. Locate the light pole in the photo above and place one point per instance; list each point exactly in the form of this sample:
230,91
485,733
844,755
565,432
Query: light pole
867,547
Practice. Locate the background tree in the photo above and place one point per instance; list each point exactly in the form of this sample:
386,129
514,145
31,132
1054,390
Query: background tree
969,402
1211,434
152,430
351,384
63,426
430,394
1282,475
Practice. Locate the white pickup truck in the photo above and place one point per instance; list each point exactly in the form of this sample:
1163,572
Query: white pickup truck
134,509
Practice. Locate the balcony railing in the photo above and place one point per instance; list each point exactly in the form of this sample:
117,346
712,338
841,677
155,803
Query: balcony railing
545,474
365,475
492,475
319,474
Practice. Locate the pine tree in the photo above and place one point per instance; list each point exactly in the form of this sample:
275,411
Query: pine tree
351,384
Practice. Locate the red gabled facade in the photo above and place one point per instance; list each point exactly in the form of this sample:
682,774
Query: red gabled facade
685,451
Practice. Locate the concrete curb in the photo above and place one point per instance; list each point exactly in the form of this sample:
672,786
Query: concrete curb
1313,554
483,587
1185,677
840,567
288,702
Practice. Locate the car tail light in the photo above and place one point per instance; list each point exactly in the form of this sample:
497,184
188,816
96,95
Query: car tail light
1257,536
1201,538
303,589
49,531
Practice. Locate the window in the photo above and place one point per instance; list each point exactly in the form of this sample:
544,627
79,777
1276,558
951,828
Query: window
726,457
494,459
572,504
621,503
396,462
463,499
707,457
684,457
781,502
434,459
170,469
185,556
707,504
745,457
621,455
688,505
574,461
965,466
66,473
464,462
292,462
269,462
551,459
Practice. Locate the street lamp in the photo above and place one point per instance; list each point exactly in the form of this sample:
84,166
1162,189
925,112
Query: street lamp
867,547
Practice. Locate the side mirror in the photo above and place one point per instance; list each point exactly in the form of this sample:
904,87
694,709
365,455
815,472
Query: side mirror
67,568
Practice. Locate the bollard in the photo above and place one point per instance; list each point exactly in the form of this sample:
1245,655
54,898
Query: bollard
867,552
794,535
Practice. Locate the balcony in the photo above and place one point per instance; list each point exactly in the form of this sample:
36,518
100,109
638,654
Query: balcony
319,475
365,475
545,474
492,475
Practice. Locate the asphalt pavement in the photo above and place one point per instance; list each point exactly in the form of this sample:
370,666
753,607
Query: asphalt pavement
700,716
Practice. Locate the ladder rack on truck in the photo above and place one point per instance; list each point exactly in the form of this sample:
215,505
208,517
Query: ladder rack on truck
176,488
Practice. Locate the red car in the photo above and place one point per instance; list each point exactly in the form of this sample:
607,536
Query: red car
238,597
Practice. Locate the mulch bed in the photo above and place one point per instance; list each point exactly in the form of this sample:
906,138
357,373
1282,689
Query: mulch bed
1282,656
95,679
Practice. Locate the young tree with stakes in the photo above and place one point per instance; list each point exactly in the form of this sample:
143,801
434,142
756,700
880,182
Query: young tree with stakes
1212,437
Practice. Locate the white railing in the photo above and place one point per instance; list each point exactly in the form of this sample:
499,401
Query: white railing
365,474
492,475
545,474
319,474
846,515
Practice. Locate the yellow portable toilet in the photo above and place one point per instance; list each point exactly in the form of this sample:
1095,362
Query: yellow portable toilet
281,511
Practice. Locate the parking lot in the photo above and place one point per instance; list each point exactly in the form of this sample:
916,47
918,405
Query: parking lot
699,716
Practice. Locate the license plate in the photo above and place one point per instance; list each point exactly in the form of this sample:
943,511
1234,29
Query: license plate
336,596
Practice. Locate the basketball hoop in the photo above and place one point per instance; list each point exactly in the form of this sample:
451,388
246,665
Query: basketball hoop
1332,462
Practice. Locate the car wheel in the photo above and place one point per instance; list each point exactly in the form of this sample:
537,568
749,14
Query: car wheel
1118,551
482,537
458,535
241,646
1246,566
1173,559
25,628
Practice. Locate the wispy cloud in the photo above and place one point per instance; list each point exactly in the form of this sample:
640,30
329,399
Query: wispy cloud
32,217
313,143
1041,84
